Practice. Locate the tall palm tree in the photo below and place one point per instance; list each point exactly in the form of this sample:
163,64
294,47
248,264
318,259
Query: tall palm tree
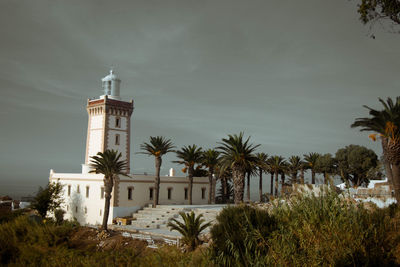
310,160
237,154
210,159
190,228
276,165
189,156
157,147
294,166
262,167
109,164
386,123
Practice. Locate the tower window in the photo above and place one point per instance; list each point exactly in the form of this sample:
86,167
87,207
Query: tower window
130,189
169,193
151,191
69,190
87,191
118,122
85,210
117,139
78,189
203,193
102,193
186,193
76,209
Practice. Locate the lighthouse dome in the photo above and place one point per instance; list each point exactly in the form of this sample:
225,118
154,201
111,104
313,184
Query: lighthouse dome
111,85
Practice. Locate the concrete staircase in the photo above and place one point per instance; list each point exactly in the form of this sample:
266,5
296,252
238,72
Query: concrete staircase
158,217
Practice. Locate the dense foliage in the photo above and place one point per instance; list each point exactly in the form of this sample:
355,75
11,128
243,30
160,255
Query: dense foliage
48,199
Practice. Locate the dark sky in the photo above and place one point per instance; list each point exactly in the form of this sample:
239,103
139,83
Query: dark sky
291,74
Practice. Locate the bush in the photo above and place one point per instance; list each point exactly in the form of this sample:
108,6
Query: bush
59,215
329,230
240,236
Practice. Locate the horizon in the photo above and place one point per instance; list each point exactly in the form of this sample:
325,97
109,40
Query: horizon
293,78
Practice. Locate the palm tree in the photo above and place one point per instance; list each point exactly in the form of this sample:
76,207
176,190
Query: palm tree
189,156
109,164
310,160
157,147
294,166
262,167
225,174
210,159
386,123
276,165
238,155
190,228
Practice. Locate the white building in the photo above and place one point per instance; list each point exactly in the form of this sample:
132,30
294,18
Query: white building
109,127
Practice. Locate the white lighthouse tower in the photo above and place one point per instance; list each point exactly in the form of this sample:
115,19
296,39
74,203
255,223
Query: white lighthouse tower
109,122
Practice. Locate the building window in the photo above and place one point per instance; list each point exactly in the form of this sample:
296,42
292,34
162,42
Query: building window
69,190
100,212
67,207
203,193
130,189
151,191
117,139
87,191
102,193
118,122
76,209
186,193
78,189
85,210
169,193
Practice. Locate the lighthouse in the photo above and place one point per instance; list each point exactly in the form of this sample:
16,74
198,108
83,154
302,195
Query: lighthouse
109,122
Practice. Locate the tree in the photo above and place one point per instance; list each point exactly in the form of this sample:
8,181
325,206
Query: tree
262,167
377,10
109,164
189,156
294,166
276,165
157,147
310,160
48,199
251,170
237,154
210,159
354,162
226,190
325,164
386,125
190,228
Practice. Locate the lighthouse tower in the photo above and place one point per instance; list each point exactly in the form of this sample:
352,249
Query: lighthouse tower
109,124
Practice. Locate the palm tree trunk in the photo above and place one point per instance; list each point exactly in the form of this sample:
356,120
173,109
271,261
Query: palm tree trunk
301,176
260,186
214,186
386,163
272,183
108,187
238,183
224,189
312,176
210,181
294,178
157,181
276,183
248,186
396,181
325,178
191,171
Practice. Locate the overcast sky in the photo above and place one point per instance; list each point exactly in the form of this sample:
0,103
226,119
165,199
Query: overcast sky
291,74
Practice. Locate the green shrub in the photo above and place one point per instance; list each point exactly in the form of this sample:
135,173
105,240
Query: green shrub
240,236
329,230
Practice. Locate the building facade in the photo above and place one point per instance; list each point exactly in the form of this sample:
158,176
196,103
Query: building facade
109,127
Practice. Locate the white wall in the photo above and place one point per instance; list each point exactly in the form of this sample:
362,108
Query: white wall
125,207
